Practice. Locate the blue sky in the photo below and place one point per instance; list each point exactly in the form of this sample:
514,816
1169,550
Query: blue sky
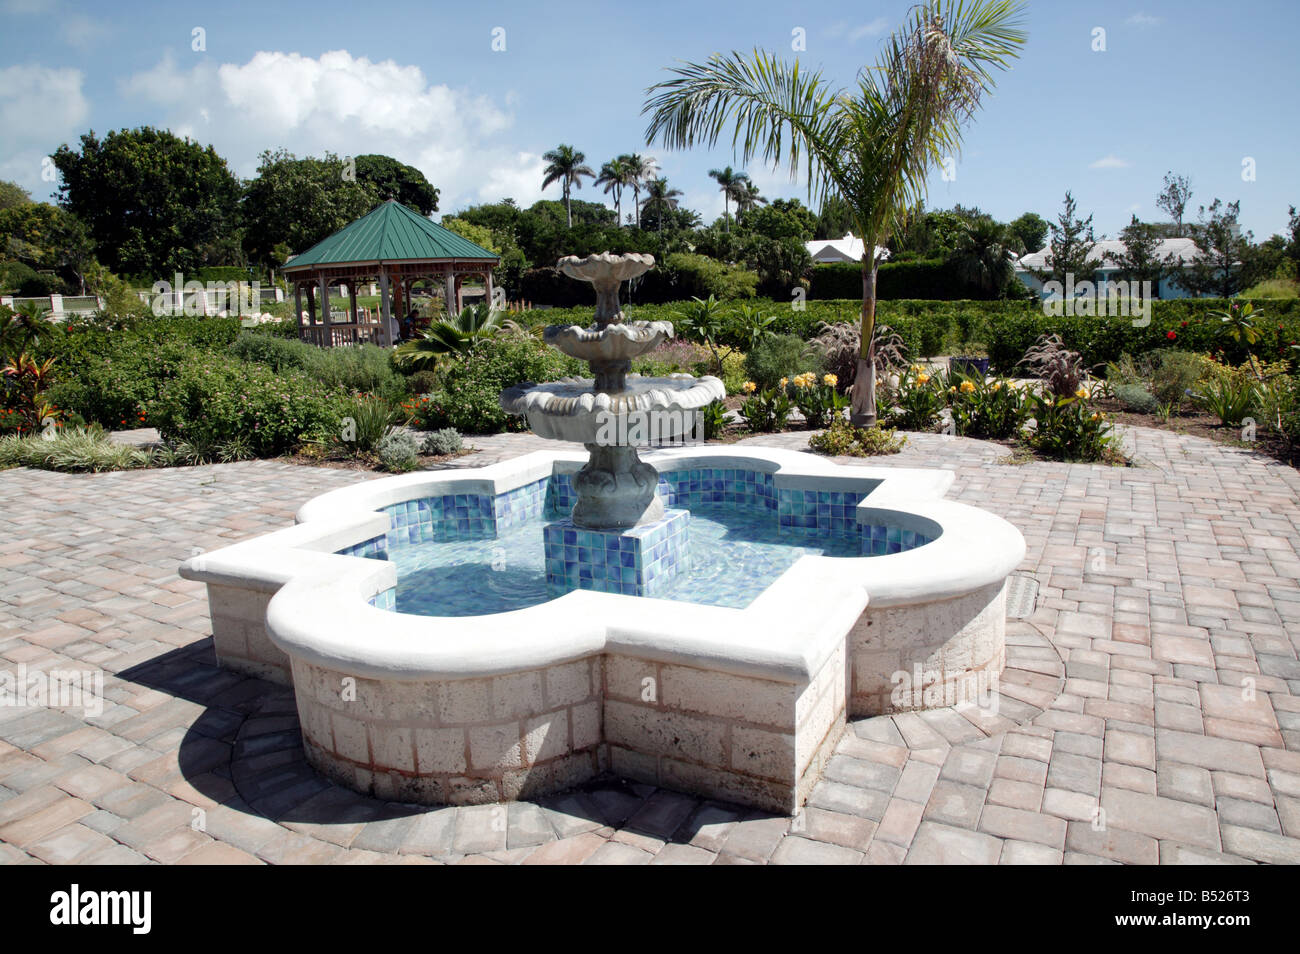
1196,87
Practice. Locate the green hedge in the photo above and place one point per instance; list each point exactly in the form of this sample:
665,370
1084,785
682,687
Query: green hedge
1005,328
214,399
928,279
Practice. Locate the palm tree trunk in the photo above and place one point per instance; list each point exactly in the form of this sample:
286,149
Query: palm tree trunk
568,208
863,413
726,213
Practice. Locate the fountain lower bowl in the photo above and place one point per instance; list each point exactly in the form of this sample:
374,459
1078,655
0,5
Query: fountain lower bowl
743,704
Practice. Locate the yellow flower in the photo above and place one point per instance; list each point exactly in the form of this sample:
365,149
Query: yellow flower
830,379
967,387
804,380
1096,416
1082,393
749,387
784,382
997,386
922,378
953,389
916,369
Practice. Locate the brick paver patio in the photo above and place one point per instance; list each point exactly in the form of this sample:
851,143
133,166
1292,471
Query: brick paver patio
1150,711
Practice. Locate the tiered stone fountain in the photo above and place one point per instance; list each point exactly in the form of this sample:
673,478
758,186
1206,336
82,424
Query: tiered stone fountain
619,537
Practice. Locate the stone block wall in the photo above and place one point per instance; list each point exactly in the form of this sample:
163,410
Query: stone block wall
953,645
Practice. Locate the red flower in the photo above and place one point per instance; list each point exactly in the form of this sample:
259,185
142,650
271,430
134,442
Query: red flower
1172,336
1184,324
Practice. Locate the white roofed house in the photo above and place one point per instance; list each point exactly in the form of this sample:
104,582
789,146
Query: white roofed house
847,249
1180,252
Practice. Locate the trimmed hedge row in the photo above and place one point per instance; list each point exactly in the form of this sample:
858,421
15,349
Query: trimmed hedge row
928,279
1005,328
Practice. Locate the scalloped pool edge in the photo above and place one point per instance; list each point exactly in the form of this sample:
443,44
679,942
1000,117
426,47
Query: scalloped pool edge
740,704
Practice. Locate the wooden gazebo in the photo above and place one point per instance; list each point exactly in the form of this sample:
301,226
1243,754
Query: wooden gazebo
390,245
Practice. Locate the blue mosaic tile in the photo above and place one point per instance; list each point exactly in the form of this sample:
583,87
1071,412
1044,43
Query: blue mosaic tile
376,548
387,600
640,561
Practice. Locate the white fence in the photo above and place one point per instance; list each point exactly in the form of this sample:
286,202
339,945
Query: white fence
57,305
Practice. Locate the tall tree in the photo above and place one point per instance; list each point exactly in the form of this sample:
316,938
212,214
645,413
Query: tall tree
1174,196
728,181
391,179
12,194
1070,251
1031,230
151,200
295,203
983,257
874,146
1222,246
566,165
747,198
615,176
643,169
1140,260
660,200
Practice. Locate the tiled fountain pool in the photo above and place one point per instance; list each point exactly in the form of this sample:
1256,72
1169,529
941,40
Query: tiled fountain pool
471,554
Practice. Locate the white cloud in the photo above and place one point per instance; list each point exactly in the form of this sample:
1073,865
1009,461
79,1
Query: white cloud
874,28
1110,162
347,105
1141,19
83,32
40,108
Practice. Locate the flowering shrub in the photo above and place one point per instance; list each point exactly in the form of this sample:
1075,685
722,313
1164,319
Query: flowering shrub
1067,428
918,400
765,410
817,399
215,400
991,409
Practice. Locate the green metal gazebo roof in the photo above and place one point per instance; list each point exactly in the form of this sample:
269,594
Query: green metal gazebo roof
390,232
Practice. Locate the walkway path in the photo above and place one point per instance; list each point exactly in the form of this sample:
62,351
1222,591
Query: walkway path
1150,712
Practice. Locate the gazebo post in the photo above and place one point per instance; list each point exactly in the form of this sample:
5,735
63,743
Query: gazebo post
352,307
297,306
449,293
325,308
487,287
385,302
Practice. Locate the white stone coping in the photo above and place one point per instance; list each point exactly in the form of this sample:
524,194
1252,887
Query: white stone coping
321,611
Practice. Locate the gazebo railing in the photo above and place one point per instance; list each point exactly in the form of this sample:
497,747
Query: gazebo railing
339,335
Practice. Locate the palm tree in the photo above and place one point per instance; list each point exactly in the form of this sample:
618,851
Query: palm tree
983,256
615,176
872,146
728,181
565,165
449,336
643,169
660,198
747,197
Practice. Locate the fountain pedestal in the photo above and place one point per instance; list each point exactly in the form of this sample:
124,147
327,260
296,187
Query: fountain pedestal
638,561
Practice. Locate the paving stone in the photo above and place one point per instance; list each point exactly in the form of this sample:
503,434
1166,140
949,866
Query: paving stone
1160,817
938,844
795,850
953,803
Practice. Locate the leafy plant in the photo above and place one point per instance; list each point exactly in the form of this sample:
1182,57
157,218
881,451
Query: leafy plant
74,450
990,409
1227,399
778,357
397,452
449,335
1135,397
1068,429
918,400
366,420
818,400
842,439
766,410
715,419
1173,377
441,443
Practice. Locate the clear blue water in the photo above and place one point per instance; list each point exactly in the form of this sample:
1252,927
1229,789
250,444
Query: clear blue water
735,555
